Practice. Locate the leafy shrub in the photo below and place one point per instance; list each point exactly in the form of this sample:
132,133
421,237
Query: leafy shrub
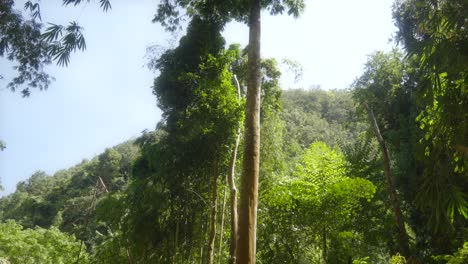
39,245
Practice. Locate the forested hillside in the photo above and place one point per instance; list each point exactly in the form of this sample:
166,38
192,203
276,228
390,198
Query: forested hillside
90,199
322,180
239,170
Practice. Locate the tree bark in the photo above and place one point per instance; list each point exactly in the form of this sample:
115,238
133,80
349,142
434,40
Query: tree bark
402,235
233,189
214,211
325,250
176,243
245,252
204,229
221,229
129,255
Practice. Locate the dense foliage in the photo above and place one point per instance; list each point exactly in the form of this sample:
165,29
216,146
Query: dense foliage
106,202
373,174
39,245
309,191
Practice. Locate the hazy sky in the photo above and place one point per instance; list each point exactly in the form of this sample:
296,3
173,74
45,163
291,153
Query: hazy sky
104,96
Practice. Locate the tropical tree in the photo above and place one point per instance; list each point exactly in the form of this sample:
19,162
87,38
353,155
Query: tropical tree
377,90
168,14
390,90
38,245
435,33
318,202
201,111
23,40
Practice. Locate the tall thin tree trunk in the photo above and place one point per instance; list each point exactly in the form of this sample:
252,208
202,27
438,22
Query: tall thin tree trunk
246,242
325,250
221,229
176,244
233,188
202,242
129,259
214,211
129,254
402,235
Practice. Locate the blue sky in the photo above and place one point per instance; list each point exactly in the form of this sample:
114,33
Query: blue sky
104,96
